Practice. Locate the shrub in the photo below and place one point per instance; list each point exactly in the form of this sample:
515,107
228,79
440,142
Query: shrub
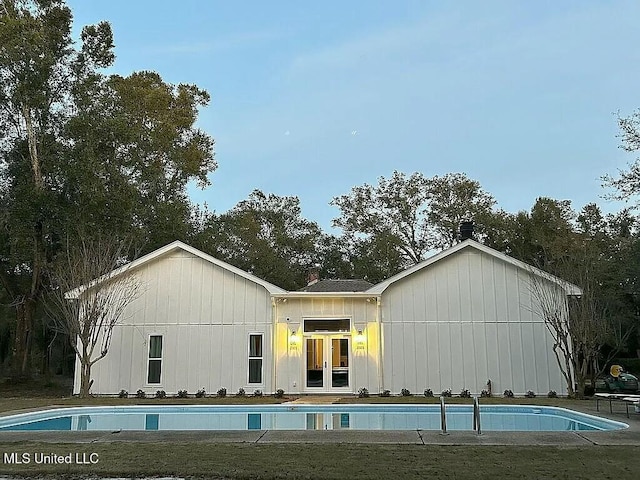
485,394
508,394
405,392
201,393
552,394
123,394
279,393
385,393
446,393
428,392
257,393
222,392
141,394
363,393
161,394
182,394
530,394
241,392
464,393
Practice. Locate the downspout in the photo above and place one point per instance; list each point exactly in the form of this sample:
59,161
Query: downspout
380,344
274,343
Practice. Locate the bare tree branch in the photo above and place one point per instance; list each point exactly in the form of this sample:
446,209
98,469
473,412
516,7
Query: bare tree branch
88,301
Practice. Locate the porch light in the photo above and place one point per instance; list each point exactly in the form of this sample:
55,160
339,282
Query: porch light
294,339
360,340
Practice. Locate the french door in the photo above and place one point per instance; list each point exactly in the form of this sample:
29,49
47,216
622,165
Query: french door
327,363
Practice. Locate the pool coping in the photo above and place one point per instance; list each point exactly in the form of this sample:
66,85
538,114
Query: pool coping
629,436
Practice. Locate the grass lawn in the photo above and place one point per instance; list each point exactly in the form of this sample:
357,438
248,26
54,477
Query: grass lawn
334,461
310,461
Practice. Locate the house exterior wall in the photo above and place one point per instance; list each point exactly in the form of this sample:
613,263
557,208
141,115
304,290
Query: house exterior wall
290,357
205,314
455,323
461,321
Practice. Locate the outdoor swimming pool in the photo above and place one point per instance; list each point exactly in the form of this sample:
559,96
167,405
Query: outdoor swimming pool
306,417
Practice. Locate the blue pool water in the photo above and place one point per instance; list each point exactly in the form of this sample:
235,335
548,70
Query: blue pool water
306,417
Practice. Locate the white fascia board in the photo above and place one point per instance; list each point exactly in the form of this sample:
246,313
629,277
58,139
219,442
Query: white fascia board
570,289
177,245
324,295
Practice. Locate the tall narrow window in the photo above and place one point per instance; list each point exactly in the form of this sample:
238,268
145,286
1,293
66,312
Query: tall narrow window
155,359
255,358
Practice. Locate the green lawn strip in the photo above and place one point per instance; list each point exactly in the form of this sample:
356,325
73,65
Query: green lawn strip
334,461
12,404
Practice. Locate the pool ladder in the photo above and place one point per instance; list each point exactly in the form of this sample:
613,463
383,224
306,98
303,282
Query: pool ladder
476,416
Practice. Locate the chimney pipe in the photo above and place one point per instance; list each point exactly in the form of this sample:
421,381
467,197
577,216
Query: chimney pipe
313,276
466,230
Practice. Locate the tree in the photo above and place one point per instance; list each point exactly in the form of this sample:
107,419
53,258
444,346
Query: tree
454,198
36,69
79,147
266,236
627,183
413,214
581,326
372,259
553,307
538,237
393,209
87,301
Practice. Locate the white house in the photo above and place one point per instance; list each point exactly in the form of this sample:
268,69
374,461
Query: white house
456,320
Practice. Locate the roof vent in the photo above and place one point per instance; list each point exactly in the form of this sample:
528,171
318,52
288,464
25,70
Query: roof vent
466,230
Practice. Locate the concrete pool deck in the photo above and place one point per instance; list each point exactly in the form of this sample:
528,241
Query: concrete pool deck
629,436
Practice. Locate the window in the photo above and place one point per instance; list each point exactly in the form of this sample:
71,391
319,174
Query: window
327,325
155,359
255,358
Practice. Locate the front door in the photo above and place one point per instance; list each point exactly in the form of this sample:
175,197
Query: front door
327,363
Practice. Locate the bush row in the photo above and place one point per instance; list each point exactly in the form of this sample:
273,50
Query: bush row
221,393
464,393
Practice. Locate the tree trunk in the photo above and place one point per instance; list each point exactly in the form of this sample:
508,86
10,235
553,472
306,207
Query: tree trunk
33,149
22,341
85,378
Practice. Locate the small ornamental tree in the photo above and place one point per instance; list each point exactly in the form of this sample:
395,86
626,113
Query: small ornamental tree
89,297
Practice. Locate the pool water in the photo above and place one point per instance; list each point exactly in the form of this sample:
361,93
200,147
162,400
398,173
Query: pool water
306,417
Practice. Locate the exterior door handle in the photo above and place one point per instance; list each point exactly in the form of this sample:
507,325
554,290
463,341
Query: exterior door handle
325,364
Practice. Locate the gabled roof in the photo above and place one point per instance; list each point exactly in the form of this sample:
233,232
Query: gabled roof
338,285
570,288
177,245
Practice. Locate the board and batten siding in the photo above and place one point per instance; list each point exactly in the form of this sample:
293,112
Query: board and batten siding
205,314
290,362
461,321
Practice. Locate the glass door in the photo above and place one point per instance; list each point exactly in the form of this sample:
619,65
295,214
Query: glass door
315,363
327,361
339,363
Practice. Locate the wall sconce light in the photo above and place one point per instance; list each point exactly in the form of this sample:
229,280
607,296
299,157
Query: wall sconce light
294,339
360,340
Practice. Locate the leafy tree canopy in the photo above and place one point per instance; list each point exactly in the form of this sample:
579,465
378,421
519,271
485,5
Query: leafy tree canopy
413,214
81,148
267,236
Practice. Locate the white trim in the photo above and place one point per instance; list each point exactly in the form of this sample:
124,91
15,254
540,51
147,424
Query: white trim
378,289
161,335
177,245
261,357
327,371
362,295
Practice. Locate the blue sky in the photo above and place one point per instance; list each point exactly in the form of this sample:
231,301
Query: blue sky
312,98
